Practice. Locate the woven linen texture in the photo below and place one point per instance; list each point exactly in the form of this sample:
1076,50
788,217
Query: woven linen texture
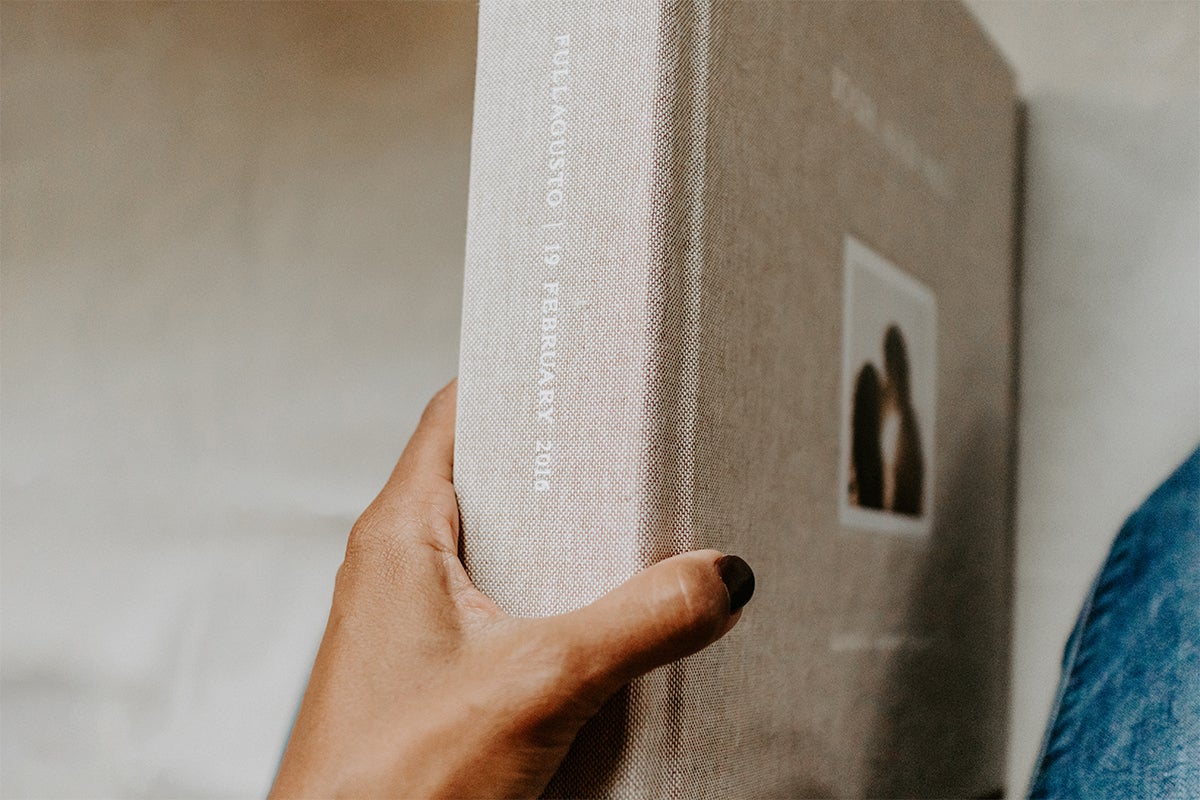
709,181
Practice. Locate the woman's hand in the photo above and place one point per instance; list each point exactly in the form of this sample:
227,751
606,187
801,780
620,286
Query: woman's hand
424,688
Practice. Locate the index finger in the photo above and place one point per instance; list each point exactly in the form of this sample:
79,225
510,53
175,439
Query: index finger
418,502
430,451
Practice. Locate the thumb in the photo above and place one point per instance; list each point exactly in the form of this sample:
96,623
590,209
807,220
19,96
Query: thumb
663,613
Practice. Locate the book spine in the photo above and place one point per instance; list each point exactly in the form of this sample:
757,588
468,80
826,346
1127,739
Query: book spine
575,435
580,307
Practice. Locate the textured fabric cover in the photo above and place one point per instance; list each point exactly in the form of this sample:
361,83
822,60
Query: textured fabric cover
710,176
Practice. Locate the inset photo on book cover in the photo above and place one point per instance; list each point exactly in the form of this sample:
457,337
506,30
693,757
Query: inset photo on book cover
889,394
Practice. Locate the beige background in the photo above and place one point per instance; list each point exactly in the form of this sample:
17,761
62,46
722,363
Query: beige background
231,252
232,266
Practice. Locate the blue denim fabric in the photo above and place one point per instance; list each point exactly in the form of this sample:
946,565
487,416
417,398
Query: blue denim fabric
1126,723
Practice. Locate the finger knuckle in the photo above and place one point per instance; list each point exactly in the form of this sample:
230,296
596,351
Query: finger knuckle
364,535
373,546
698,607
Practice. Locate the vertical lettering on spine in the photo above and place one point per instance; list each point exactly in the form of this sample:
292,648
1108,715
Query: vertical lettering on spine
551,257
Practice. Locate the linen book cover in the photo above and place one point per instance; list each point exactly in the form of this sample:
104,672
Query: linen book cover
740,275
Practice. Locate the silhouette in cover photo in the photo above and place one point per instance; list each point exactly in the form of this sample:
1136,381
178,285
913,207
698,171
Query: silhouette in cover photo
887,468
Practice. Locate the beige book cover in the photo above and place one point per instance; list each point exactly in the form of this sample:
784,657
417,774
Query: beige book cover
740,275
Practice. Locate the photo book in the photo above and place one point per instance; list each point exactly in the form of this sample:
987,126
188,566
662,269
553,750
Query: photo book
741,276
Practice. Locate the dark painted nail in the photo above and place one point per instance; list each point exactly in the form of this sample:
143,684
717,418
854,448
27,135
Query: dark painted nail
739,580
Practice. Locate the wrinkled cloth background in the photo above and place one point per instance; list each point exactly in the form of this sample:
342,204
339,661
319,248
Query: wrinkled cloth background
232,265
231,239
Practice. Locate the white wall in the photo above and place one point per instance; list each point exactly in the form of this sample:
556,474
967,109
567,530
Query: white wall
1110,350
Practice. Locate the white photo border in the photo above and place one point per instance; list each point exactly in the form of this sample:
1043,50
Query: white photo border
857,255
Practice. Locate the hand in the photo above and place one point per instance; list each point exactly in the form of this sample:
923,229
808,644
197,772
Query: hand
423,687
